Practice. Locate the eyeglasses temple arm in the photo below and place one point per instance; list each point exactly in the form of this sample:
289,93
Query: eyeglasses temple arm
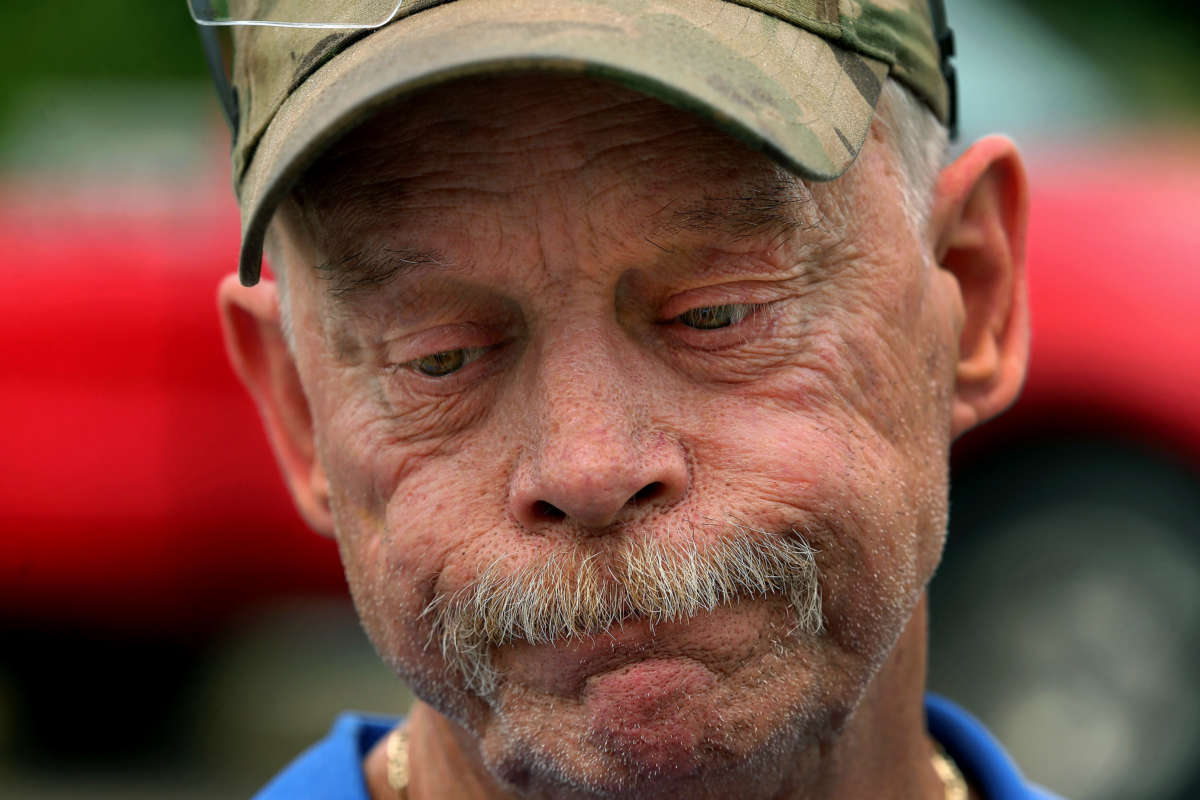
945,42
216,68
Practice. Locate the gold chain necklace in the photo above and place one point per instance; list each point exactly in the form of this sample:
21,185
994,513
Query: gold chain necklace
397,768
397,762
952,779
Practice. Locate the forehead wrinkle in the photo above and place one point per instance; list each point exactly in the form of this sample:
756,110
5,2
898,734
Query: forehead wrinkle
478,151
634,117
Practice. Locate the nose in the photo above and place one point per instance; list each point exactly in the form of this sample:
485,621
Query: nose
595,457
597,478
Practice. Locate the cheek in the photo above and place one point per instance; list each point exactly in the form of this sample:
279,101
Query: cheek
849,442
388,556
900,351
412,518
848,494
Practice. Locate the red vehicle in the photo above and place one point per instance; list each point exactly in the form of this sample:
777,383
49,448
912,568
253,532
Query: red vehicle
140,497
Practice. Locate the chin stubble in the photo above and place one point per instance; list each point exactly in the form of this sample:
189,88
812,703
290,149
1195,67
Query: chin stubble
573,594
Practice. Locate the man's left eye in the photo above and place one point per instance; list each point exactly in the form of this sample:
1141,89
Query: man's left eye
445,362
711,317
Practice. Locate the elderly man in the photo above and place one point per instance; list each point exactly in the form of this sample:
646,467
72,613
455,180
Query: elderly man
621,345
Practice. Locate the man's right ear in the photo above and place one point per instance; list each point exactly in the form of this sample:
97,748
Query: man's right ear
254,340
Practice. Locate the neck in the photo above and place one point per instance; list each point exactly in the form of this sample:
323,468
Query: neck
882,752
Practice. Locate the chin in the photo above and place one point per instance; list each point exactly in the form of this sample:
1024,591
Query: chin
740,759
666,724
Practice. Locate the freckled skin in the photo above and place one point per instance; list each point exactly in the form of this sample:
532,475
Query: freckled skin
825,411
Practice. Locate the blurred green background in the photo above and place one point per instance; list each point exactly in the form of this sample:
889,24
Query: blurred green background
98,92
128,40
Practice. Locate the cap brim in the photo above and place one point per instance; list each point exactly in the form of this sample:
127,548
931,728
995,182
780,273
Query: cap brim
779,88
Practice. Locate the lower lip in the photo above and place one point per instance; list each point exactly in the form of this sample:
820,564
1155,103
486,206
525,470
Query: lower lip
645,712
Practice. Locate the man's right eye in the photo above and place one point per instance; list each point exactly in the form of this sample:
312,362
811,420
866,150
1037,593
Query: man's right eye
707,318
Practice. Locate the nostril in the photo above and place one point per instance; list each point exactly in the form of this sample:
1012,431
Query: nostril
649,492
548,513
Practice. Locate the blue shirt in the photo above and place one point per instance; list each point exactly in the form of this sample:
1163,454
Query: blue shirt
332,768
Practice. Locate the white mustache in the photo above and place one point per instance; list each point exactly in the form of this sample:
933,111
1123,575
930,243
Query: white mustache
570,595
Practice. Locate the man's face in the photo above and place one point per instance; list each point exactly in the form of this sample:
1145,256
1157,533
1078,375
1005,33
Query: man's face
554,318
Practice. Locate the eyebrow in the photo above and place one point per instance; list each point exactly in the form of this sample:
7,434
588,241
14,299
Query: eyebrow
368,269
776,207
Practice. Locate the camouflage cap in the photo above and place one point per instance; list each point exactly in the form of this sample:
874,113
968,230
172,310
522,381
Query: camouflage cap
797,79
